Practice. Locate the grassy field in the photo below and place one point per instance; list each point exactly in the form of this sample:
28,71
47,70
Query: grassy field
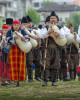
34,91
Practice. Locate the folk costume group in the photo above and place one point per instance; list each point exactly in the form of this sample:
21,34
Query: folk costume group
49,57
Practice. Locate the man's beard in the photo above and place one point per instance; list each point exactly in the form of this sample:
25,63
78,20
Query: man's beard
16,29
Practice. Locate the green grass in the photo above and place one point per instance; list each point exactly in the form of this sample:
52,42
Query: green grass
34,91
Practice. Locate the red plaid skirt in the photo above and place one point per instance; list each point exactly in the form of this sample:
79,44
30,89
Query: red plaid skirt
4,70
17,63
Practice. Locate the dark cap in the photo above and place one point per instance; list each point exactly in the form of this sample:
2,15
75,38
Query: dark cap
29,19
40,26
57,17
9,21
24,20
53,13
47,19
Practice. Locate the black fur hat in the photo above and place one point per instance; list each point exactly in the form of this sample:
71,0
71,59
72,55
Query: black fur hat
57,17
9,21
29,19
40,26
53,13
24,20
47,19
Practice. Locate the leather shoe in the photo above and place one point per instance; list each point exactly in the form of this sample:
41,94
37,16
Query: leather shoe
44,83
30,80
37,78
54,84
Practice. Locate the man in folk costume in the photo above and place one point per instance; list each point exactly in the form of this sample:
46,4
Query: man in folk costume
24,22
34,56
53,55
9,22
29,56
63,56
43,43
72,55
16,57
63,68
4,69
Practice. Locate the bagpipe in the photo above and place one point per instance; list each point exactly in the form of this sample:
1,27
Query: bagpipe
59,41
34,42
70,37
25,46
62,41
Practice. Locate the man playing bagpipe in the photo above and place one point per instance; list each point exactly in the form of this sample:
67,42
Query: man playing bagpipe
16,57
4,69
72,55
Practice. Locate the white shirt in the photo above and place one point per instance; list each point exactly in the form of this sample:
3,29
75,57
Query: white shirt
78,39
64,31
44,33
78,36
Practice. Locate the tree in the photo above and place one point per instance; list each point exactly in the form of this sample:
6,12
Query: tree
1,23
34,16
46,3
75,20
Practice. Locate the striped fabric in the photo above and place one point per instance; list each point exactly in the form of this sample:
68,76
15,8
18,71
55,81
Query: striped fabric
17,63
4,69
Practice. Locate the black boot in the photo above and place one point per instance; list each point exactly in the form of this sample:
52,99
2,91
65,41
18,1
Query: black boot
54,84
37,78
16,85
30,80
44,83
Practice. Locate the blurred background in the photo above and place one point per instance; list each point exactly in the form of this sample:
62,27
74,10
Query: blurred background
67,10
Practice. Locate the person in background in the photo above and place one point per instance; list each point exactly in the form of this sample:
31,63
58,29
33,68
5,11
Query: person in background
17,58
72,55
4,68
9,22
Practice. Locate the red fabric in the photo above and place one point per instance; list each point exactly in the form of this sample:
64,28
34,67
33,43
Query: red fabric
51,38
16,22
5,27
42,47
68,69
4,71
78,70
17,63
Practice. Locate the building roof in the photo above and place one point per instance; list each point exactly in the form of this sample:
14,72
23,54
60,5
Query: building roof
2,3
52,0
59,8
76,2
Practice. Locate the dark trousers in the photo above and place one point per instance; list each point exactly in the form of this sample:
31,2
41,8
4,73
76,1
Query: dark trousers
53,74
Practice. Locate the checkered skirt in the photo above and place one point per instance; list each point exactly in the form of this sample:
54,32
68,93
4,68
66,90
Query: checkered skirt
17,64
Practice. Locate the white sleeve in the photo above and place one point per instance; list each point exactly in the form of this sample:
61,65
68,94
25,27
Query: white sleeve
78,39
44,33
32,33
64,31
79,31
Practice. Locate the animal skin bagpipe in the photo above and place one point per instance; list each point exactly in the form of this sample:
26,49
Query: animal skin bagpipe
32,41
59,41
70,37
23,45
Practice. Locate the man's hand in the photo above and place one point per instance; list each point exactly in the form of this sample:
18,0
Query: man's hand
15,37
23,38
38,38
2,44
50,30
56,34
75,36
